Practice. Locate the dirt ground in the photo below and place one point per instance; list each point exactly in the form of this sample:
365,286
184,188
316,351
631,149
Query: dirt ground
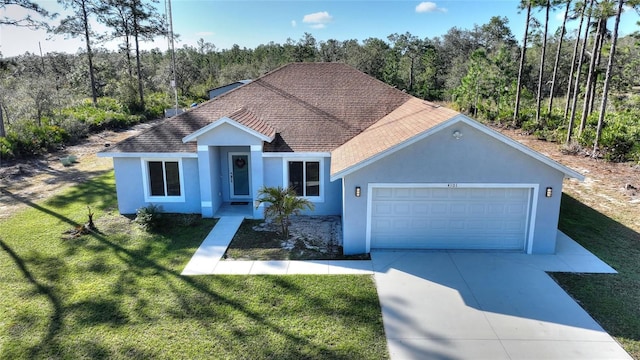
611,188
38,179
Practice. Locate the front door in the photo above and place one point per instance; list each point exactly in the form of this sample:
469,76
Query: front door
239,175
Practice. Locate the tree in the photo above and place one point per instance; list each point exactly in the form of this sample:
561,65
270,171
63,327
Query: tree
331,51
283,203
410,48
576,86
581,8
476,86
305,49
147,24
4,67
76,25
27,21
133,18
428,77
494,34
607,78
547,6
523,52
370,57
557,61
602,14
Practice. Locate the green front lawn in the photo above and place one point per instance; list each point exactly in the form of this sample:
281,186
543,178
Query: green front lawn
119,294
612,299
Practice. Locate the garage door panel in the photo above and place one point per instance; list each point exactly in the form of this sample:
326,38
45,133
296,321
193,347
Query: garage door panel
449,218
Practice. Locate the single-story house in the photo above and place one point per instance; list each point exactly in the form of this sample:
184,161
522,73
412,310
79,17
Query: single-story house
402,172
214,93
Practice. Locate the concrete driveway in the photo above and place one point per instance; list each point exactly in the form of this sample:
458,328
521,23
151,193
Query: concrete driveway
461,305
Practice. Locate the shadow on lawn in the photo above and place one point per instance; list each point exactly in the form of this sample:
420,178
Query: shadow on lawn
612,299
202,305
57,317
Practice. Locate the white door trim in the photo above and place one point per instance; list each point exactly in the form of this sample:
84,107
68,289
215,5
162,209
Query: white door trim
531,206
230,155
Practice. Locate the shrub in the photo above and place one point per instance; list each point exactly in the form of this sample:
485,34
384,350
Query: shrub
26,139
149,217
6,149
620,136
76,130
283,203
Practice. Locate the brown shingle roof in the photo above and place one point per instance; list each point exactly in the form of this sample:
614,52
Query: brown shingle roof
250,120
314,107
412,118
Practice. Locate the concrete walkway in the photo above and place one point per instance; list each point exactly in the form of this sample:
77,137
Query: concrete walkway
207,259
213,247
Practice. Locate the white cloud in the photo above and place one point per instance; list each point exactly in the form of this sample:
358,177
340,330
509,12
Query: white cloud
294,23
560,15
205,33
428,6
317,20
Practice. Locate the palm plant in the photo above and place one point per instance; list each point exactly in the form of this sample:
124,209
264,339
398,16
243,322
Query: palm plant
283,202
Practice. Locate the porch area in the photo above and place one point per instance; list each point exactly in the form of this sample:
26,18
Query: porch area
236,208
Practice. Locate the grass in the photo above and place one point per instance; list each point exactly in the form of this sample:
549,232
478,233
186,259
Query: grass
118,294
612,299
249,244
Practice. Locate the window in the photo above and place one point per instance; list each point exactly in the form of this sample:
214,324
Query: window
304,177
164,179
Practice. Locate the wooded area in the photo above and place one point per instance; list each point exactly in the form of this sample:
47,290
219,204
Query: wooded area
579,88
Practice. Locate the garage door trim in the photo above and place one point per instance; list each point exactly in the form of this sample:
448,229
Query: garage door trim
532,206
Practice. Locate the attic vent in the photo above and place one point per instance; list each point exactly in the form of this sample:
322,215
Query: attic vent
433,105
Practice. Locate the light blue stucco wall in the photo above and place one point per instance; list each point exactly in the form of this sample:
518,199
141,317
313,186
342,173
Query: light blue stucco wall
130,187
440,158
332,203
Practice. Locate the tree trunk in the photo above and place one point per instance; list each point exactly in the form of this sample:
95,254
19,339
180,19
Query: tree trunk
576,87
573,63
542,56
521,66
607,79
590,80
138,66
85,21
127,40
557,61
592,97
2,131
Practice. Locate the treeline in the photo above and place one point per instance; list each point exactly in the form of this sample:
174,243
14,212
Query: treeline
584,81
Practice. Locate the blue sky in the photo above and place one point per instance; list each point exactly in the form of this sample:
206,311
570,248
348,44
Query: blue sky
250,23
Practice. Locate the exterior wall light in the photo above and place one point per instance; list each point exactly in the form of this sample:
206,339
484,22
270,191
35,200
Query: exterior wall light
549,192
358,191
457,134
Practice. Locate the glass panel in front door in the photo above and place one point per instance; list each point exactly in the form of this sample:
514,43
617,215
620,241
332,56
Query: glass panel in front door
240,175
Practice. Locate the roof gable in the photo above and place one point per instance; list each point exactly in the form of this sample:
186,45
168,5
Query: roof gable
242,119
347,163
398,128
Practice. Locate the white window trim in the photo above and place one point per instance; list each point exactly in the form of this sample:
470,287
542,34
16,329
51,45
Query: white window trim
147,183
285,175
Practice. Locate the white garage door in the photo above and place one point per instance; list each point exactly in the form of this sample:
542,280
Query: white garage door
449,218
